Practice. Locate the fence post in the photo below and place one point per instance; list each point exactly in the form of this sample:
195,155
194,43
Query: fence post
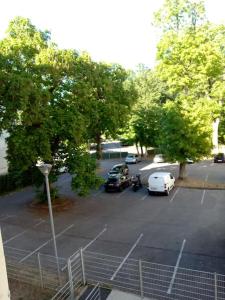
141,279
82,266
72,295
215,283
40,269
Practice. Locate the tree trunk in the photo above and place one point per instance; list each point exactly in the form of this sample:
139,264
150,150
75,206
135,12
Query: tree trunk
182,171
142,152
98,147
146,151
136,144
215,126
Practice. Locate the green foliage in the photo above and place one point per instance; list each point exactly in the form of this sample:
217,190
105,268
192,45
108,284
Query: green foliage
146,124
186,130
7,184
83,166
112,96
11,182
191,63
152,94
53,101
178,14
222,126
42,194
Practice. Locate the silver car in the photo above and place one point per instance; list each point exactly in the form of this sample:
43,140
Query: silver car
158,158
132,159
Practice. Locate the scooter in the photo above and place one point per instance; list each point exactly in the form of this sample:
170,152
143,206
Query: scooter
136,182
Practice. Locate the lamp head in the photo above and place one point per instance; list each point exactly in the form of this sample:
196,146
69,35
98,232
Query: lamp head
44,168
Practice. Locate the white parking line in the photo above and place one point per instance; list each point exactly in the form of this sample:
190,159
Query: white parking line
44,244
96,194
174,195
176,268
21,233
122,193
6,217
126,257
203,196
77,253
144,197
143,177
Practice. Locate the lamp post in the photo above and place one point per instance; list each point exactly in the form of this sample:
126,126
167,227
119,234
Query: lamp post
45,170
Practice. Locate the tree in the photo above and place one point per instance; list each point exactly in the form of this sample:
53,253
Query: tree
146,113
185,131
192,64
146,124
42,100
178,14
191,56
111,99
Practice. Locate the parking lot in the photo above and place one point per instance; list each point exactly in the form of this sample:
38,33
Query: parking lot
188,225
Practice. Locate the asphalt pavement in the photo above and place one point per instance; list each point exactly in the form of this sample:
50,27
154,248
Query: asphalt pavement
192,215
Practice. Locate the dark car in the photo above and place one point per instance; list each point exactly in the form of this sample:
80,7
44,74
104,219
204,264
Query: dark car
119,169
117,182
220,157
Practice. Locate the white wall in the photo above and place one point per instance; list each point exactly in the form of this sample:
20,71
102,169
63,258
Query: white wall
3,147
4,287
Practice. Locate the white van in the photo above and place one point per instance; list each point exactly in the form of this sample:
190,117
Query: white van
160,182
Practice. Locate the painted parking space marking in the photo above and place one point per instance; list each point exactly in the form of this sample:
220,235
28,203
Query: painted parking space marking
77,253
144,197
44,244
176,267
127,256
6,217
203,196
146,175
97,194
174,195
122,193
204,191
21,233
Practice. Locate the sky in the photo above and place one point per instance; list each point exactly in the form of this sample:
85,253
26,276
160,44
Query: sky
117,31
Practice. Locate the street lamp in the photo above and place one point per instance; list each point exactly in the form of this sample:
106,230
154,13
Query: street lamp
45,170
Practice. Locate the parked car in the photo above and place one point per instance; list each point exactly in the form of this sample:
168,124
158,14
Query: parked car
160,182
119,169
132,159
189,161
220,157
158,158
117,182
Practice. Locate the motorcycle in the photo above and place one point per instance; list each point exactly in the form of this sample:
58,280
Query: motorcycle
136,182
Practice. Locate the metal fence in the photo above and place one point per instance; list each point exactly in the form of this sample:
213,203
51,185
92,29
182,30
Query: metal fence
152,280
146,279
95,293
37,269
72,288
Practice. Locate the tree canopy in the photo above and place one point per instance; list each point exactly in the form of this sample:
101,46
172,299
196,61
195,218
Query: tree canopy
51,98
